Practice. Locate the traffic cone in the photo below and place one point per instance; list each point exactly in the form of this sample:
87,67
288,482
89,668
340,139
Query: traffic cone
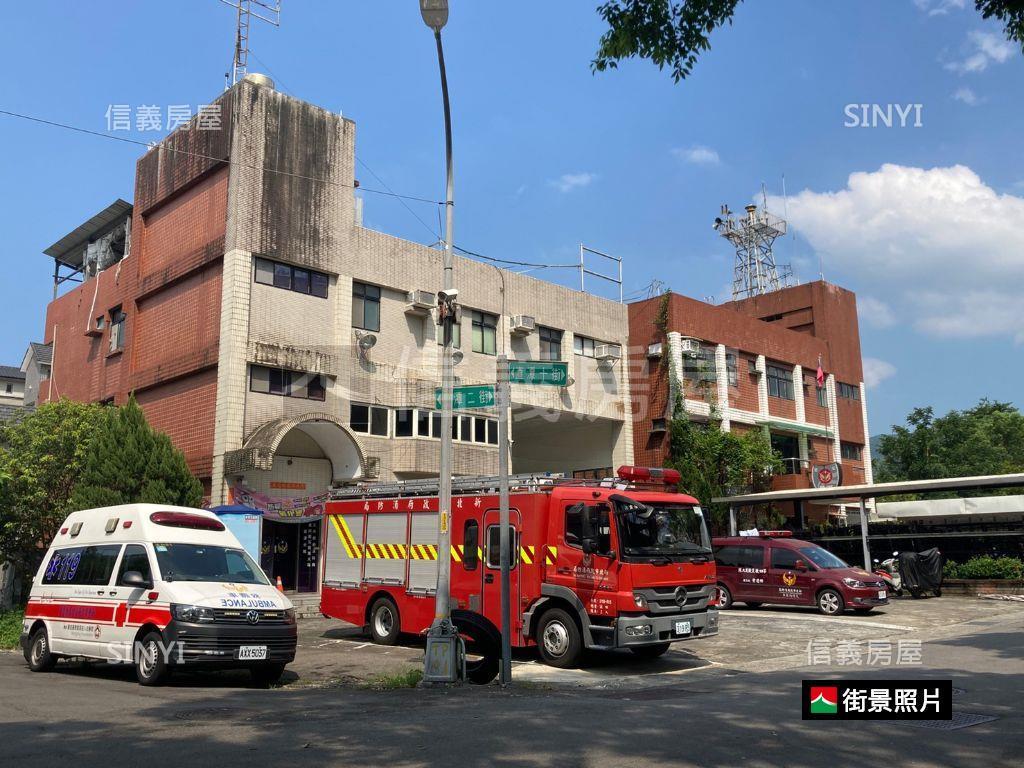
280,586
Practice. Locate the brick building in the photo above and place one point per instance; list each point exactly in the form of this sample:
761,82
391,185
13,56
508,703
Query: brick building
754,363
232,297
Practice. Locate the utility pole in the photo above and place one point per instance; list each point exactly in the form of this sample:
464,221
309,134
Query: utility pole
502,400
443,642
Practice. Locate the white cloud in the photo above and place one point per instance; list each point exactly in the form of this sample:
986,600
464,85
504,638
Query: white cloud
983,48
967,96
939,7
876,371
570,181
939,244
697,154
875,313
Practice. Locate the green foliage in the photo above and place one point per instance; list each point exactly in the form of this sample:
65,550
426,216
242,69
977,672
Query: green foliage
674,34
130,462
985,440
408,678
42,455
713,463
985,567
10,629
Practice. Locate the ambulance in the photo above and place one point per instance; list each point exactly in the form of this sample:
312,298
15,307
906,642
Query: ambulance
157,587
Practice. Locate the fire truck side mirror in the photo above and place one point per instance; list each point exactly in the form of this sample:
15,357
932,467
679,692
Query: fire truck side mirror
588,525
589,546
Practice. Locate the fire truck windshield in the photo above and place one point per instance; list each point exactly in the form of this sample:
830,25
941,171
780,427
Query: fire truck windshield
660,530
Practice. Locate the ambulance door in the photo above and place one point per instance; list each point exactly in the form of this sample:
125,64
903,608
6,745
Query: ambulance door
131,599
491,591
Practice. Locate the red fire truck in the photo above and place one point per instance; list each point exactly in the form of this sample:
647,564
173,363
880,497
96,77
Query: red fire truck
619,563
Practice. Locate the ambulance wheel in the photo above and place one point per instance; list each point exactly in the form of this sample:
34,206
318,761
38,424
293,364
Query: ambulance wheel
724,597
265,675
37,654
384,624
650,651
559,640
150,662
830,602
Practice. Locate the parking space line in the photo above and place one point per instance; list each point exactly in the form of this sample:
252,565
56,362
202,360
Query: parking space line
835,619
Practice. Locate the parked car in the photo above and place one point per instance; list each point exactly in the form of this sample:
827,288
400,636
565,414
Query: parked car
155,586
773,567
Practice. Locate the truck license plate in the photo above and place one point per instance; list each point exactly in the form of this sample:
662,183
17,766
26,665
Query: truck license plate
881,594
252,652
683,627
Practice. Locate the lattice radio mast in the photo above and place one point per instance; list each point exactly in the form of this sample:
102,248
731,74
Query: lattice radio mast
269,12
752,235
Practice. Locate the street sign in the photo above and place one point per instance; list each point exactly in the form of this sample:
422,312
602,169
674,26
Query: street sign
553,374
475,396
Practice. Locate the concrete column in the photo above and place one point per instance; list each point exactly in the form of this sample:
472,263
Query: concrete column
762,385
675,370
722,377
833,415
798,393
869,475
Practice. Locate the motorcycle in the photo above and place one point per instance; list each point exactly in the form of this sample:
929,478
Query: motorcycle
889,572
921,572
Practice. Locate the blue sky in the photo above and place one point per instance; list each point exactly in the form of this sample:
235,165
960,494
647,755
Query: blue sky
925,223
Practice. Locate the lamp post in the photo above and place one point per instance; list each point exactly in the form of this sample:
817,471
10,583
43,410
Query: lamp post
441,660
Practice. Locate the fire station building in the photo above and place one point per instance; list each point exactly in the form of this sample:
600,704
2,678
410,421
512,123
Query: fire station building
752,364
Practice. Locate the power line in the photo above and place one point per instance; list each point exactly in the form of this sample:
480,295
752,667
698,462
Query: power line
265,169
468,252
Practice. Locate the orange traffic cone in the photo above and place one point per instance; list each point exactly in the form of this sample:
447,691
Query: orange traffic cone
280,586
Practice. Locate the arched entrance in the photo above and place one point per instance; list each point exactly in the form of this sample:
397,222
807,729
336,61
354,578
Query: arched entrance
296,460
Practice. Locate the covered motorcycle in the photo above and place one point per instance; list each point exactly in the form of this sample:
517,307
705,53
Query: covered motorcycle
922,571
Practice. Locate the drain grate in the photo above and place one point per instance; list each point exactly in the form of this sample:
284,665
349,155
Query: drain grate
960,720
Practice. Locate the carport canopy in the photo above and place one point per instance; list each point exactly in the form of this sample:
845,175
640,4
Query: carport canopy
858,494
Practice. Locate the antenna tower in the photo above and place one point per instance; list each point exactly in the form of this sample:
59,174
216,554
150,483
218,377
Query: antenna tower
752,235
267,11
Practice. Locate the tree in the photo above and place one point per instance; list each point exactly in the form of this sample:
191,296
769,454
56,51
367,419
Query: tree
987,439
674,34
42,455
130,462
713,463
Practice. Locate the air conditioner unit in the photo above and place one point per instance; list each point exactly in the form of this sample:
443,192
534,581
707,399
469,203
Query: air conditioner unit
608,353
654,350
689,346
523,325
752,366
96,326
421,302
659,425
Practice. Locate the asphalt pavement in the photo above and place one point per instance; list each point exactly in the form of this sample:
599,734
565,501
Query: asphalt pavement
725,709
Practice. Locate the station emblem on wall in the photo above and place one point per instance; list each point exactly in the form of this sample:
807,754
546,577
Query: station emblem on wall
826,475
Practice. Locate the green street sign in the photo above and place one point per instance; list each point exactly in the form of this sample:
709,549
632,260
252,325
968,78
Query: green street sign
476,396
554,374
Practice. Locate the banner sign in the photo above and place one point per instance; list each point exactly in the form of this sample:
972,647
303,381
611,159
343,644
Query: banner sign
299,509
826,475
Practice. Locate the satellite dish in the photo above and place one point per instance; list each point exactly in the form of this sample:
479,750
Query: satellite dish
367,341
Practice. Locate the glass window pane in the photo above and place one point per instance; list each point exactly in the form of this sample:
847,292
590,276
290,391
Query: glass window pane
282,276
264,272
359,417
403,422
300,281
278,382
379,422
371,316
372,291
577,345
357,312
466,428
423,423
318,284
316,388
134,559
490,347
492,432
480,430
259,379
436,425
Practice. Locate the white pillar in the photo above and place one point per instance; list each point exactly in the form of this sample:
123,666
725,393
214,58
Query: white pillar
869,475
833,416
722,376
762,385
798,393
675,372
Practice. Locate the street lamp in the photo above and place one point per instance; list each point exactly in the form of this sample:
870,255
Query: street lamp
441,662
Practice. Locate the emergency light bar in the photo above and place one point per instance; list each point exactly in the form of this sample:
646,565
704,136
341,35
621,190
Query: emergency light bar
186,520
667,476
775,534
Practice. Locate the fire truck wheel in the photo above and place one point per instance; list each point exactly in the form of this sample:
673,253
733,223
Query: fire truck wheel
558,638
384,624
650,651
724,597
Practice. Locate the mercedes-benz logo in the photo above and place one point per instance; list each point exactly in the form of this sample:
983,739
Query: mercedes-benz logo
253,617
681,596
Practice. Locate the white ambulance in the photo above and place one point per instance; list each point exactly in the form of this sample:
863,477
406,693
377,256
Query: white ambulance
158,587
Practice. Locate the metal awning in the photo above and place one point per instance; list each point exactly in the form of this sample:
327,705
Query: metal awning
70,249
802,429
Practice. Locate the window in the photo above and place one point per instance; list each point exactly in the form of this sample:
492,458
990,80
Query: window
368,419
784,558
494,547
849,391
365,306
740,557
403,422
484,333
479,430
731,369
550,344
117,319
8,388
700,367
282,276
574,525
471,545
780,382
135,559
456,335
851,451
492,431
277,381
581,345
788,447
822,396
291,278
470,429
82,565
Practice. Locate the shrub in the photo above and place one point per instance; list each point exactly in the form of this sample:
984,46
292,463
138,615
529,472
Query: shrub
986,567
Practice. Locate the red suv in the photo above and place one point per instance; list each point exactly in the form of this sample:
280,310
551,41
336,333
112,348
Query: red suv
772,567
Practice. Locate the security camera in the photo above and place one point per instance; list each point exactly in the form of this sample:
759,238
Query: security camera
448,294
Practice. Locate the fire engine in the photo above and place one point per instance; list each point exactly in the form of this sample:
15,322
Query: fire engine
624,562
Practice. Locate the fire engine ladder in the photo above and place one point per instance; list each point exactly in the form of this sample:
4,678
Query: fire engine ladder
431,486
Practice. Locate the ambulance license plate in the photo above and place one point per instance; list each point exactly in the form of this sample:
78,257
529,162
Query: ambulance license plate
684,627
252,652
881,594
